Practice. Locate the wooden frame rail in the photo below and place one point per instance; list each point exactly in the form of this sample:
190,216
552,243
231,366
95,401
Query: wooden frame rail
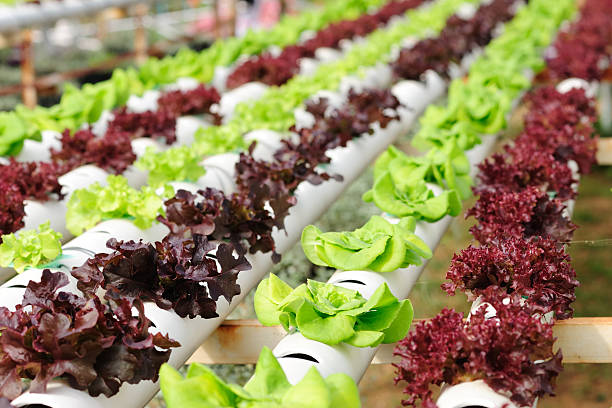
604,151
582,339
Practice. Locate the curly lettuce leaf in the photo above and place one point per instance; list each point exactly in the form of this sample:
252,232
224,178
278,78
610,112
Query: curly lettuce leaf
331,314
88,206
176,164
377,246
30,248
400,183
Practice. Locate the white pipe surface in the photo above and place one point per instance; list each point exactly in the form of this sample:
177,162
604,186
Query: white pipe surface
472,394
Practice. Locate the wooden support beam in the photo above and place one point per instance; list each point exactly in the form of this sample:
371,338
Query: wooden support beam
28,73
583,340
604,151
140,33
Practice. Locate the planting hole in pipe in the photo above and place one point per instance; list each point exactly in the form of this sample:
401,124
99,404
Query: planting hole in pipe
79,249
355,281
17,287
301,356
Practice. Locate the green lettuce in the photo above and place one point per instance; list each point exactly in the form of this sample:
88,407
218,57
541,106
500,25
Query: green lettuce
268,388
275,109
88,206
179,164
213,140
331,314
400,183
13,131
480,104
378,246
85,105
30,248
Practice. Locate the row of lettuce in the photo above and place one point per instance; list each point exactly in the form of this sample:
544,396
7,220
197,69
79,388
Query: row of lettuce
85,105
333,315
112,151
520,270
94,341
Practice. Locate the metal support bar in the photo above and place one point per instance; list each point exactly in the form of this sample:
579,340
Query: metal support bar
30,15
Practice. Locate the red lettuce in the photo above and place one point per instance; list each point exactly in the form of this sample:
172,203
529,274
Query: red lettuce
528,213
553,109
565,143
456,39
429,53
11,208
160,124
583,51
35,180
242,218
273,71
562,125
94,346
524,167
171,273
113,152
538,269
334,128
197,101
502,351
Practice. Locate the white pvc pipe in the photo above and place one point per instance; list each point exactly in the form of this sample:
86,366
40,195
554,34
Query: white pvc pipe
268,142
146,102
472,394
40,151
248,92
186,127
